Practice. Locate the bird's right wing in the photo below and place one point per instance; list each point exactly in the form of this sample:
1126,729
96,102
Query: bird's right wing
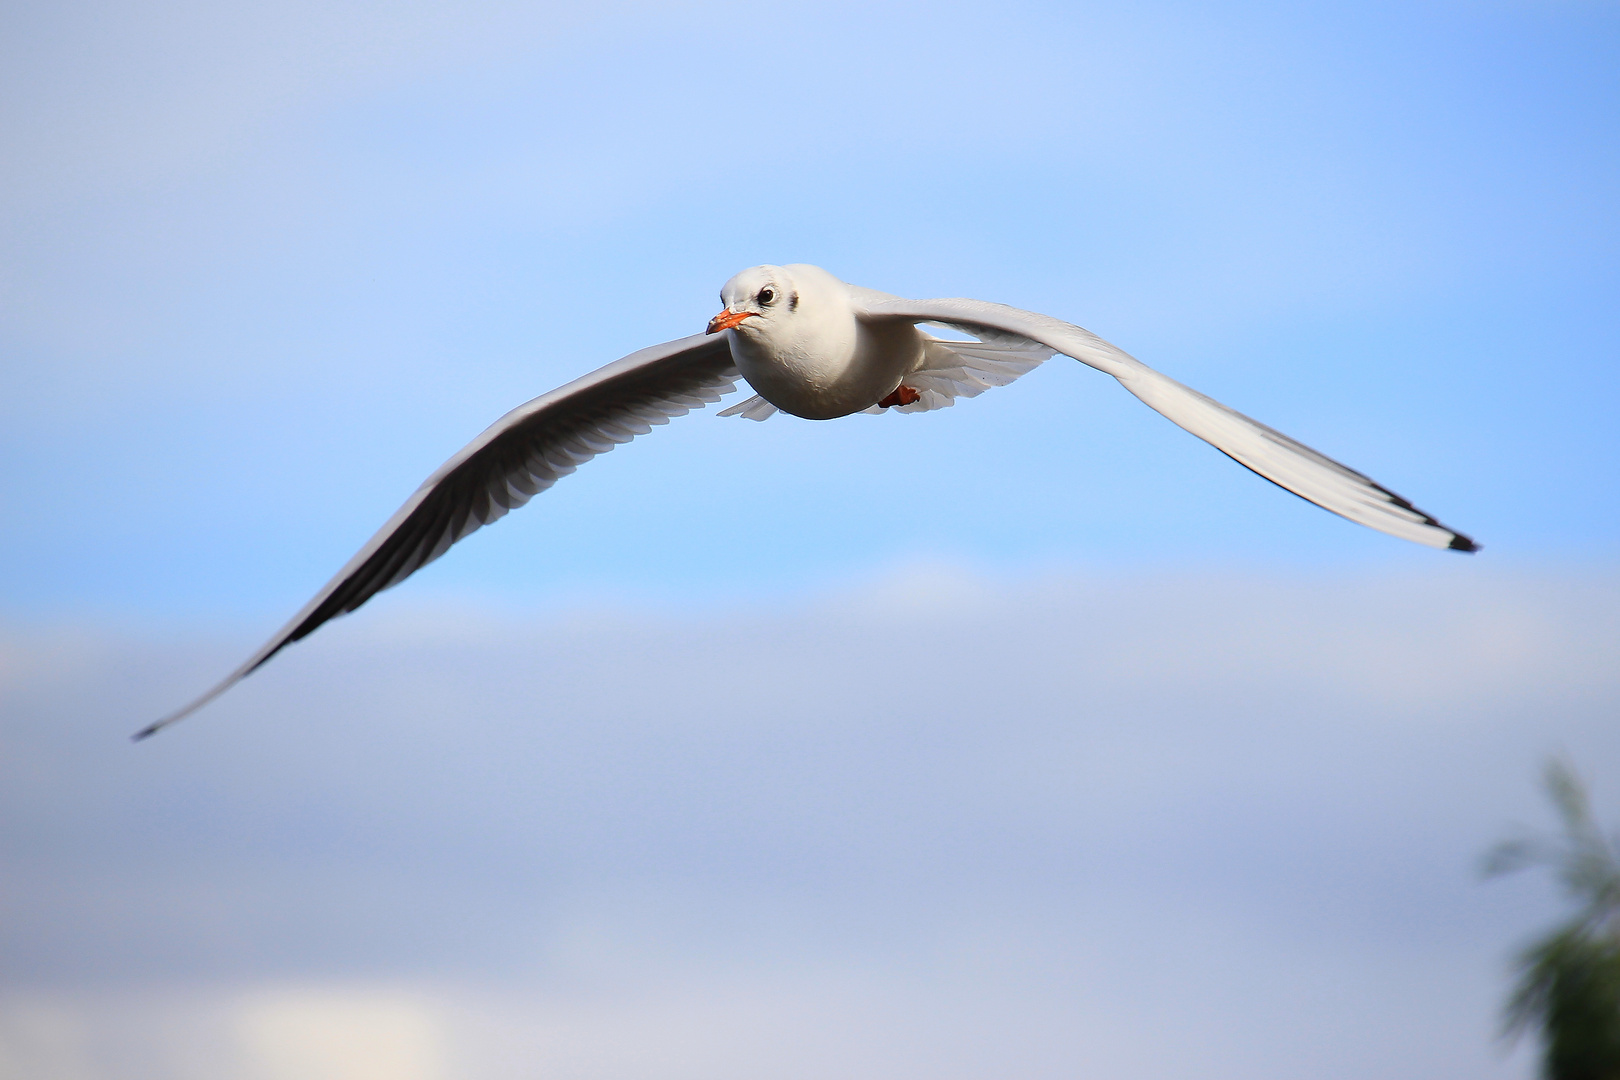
1285,462
516,458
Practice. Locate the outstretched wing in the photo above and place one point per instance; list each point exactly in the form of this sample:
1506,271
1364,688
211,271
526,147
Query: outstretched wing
1289,464
519,456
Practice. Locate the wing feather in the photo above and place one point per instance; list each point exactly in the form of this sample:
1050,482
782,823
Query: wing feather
953,369
1289,464
520,455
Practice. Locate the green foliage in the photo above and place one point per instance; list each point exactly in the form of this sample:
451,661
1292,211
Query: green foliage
1569,980
1569,987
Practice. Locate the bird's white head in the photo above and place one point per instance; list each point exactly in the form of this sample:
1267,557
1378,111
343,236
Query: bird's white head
763,294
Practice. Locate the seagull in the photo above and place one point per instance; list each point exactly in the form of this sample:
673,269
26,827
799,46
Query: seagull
813,346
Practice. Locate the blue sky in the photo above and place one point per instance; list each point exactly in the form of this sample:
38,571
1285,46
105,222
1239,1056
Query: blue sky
265,271
795,748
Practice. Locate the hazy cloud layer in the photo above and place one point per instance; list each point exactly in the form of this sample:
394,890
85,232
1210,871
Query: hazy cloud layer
935,826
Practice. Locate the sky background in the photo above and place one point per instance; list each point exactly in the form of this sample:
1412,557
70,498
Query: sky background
1028,738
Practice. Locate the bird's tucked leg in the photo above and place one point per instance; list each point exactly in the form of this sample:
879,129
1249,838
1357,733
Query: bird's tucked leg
902,395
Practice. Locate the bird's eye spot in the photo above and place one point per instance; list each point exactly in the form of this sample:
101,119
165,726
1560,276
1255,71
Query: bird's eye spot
766,295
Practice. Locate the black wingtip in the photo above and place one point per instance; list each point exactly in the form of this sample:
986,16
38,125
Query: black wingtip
1459,542
146,732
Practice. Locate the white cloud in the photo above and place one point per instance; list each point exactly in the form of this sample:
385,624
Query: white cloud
335,1034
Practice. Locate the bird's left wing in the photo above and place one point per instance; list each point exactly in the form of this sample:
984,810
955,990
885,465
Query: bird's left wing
1285,462
519,456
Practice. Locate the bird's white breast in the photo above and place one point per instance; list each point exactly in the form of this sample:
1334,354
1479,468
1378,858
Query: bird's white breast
817,360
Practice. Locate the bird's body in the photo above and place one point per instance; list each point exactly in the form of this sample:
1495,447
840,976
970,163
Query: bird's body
816,347
805,351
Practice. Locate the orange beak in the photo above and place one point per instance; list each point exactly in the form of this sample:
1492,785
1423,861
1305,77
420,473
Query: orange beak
726,320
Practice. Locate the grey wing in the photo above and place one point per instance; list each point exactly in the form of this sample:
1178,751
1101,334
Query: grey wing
516,458
1285,462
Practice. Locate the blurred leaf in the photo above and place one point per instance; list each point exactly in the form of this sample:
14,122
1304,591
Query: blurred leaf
1569,980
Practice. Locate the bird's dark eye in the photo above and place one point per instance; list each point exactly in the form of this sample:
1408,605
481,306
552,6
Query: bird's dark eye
766,295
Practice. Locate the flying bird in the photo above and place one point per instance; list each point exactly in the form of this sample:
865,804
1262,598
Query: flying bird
813,346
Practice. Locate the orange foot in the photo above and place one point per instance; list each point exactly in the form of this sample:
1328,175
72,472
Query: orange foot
903,395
